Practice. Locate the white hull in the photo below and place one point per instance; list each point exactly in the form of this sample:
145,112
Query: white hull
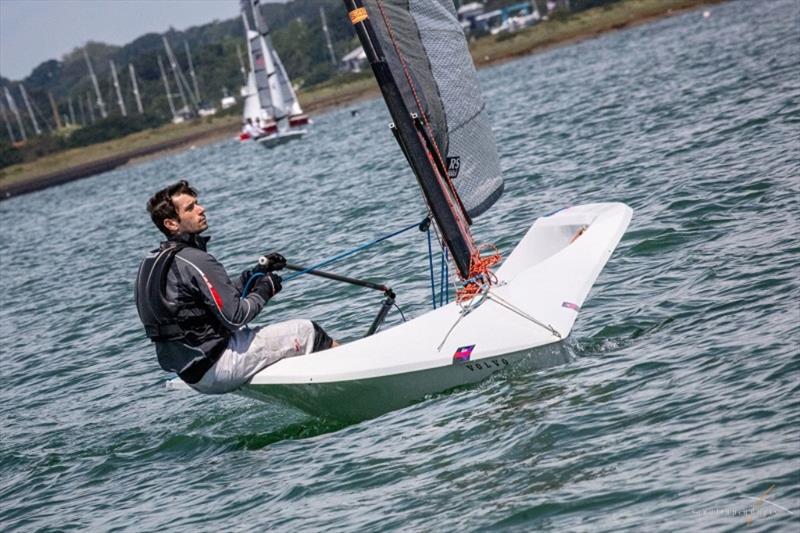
281,137
547,278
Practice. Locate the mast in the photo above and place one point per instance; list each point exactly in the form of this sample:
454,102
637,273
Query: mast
54,107
191,70
101,105
135,85
82,110
327,35
91,108
120,101
71,112
166,87
180,81
241,61
30,109
12,105
415,143
268,81
8,124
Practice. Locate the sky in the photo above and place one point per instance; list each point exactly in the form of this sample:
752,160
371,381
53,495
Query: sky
33,31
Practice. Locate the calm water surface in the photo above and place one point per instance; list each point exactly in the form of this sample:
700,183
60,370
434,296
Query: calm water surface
678,409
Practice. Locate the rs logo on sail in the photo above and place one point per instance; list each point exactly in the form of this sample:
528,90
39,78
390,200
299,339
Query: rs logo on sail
453,166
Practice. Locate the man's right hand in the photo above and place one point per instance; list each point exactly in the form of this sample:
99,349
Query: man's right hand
268,286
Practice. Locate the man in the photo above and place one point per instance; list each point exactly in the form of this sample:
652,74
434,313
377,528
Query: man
196,315
252,130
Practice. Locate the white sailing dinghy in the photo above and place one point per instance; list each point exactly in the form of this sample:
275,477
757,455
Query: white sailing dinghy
524,310
269,98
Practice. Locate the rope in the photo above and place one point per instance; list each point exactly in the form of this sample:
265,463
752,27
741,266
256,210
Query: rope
522,313
430,265
480,274
443,278
250,281
350,252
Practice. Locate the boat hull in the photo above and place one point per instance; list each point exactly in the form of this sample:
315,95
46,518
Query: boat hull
541,288
362,399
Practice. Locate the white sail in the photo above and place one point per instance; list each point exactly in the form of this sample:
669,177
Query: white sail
291,105
252,105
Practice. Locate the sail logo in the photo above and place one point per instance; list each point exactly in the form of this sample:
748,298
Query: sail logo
487,364
453,166
462,354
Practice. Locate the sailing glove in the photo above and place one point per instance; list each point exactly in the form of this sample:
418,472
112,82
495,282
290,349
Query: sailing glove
268,286
271,262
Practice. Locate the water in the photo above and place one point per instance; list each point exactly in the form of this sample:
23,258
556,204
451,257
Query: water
679,405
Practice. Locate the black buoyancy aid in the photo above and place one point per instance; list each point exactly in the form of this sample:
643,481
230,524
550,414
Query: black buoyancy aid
157,313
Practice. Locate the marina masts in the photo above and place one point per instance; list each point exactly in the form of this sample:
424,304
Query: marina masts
180,80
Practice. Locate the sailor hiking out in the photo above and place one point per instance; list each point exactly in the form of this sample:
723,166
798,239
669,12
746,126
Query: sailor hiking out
197,316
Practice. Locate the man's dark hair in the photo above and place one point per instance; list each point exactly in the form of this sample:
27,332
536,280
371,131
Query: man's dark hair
160,206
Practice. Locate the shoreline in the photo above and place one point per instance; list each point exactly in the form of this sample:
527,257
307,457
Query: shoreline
487,52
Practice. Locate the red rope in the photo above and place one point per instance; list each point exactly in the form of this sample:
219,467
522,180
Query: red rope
480,274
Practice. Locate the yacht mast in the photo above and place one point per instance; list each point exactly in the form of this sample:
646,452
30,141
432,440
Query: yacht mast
241,61
54,107
82,110
71,112
100,103
135,85
166,87
191,70
13,107
327,35
8,124
120,101
91,108
180,81
30,109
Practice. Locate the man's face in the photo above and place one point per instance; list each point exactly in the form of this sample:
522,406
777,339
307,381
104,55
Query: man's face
191,216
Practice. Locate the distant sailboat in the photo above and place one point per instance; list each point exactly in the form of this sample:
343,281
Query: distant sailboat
270,102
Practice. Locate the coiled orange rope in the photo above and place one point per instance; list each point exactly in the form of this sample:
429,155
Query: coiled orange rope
480,273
